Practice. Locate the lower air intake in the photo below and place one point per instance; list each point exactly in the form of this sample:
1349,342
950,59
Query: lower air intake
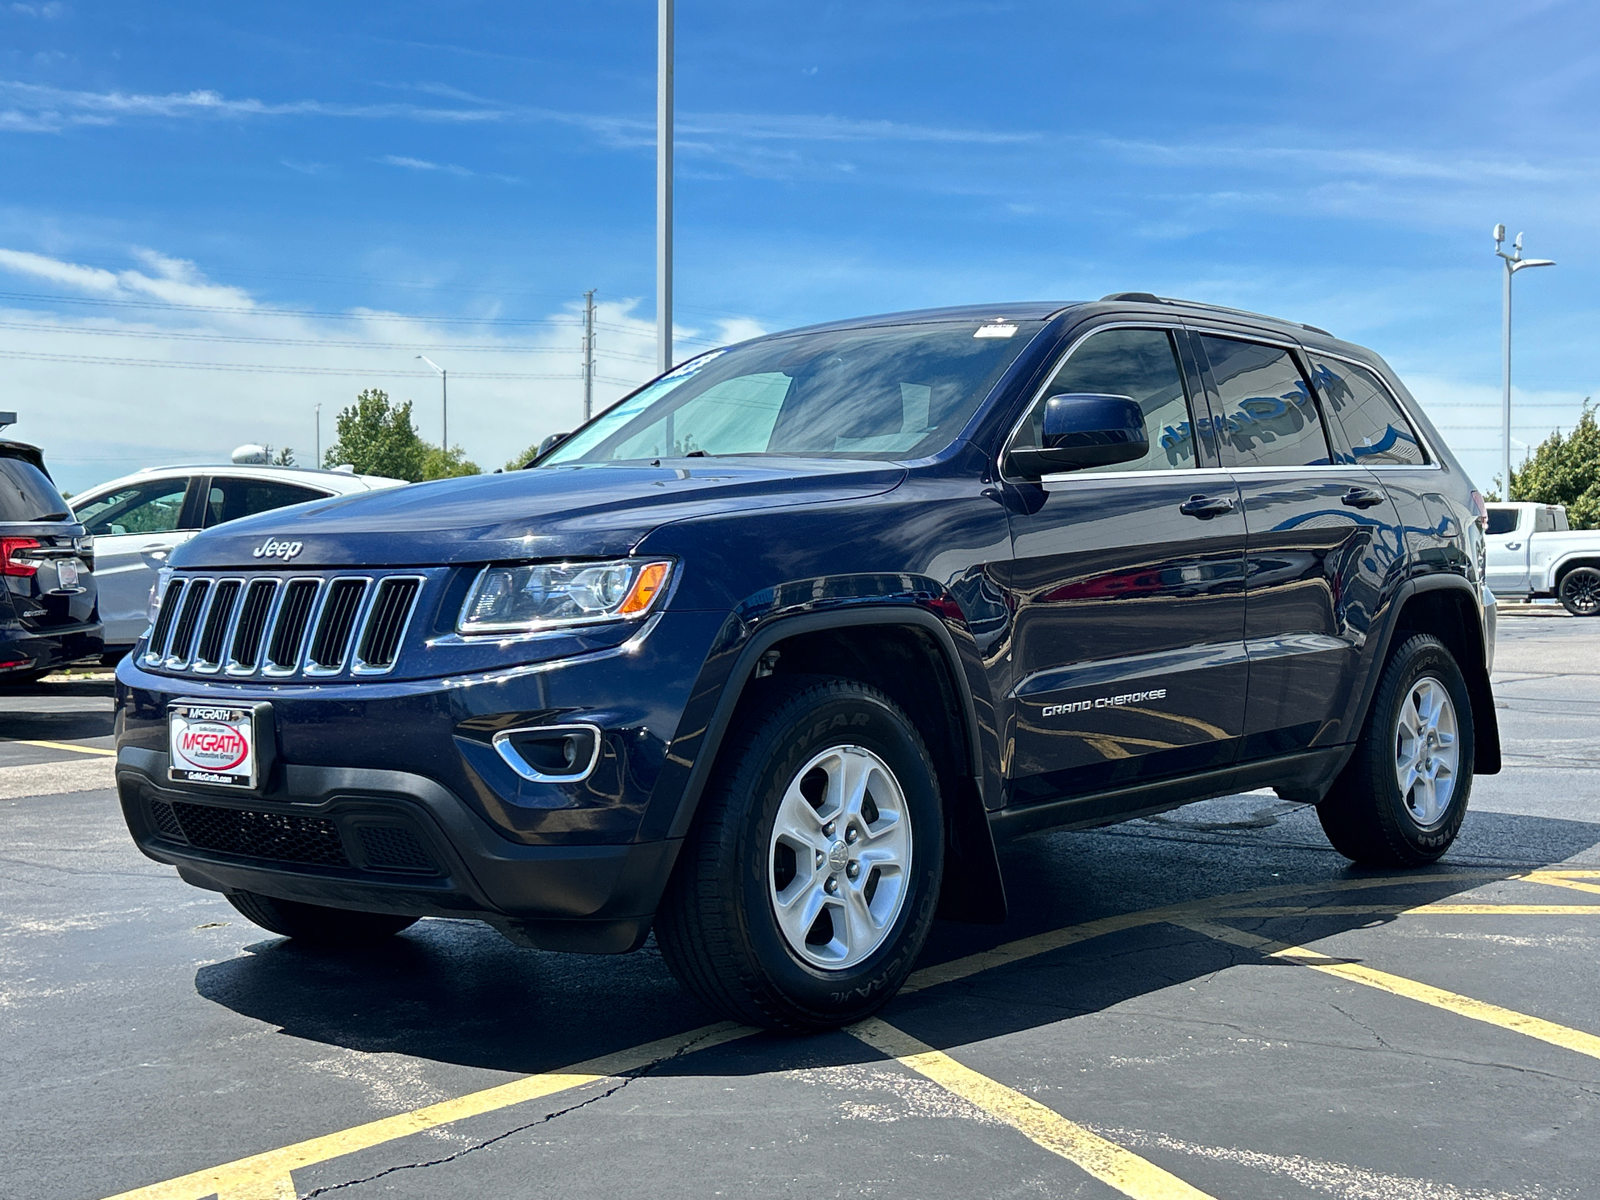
277,836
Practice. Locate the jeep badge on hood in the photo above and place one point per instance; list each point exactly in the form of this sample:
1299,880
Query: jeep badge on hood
272,548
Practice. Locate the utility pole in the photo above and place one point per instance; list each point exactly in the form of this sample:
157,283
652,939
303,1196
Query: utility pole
664,186
317,461
1514,263
588,355
444,399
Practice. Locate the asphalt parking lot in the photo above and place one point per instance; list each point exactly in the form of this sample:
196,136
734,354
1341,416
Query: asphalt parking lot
1209,1003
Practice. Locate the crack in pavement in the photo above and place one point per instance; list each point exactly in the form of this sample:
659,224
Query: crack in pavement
500,1137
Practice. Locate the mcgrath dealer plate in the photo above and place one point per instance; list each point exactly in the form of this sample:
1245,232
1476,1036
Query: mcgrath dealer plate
212,743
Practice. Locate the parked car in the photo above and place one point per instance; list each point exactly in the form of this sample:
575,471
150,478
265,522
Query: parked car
765,655
138,520
47,609
1535,553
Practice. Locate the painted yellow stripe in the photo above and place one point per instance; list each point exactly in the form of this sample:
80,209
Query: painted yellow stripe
263,1176
1575,1040
67,746
1555,880
1106,1161
1453,910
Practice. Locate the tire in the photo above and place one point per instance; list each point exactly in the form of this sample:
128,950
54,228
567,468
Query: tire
315,923
1366,815
819,771
1579,592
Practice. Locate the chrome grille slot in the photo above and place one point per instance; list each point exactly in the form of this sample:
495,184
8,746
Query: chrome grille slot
157,648
385,628
330,644
252,625
289,631
214,634
188,621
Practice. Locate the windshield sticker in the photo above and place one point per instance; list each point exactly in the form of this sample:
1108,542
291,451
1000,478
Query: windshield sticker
995,329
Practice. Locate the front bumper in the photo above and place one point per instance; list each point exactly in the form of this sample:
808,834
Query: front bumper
388,795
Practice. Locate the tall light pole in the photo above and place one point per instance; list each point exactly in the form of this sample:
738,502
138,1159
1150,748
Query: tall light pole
664,186
444,396
1514,263
588,355
317,461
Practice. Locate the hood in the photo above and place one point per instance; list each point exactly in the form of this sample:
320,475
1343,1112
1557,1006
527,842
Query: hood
583,511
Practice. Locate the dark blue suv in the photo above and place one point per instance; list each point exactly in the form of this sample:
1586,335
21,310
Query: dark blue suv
765,656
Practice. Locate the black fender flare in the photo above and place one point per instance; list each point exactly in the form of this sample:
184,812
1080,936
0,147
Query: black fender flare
973,889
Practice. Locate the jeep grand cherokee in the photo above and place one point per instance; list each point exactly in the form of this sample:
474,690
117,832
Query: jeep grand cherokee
766,656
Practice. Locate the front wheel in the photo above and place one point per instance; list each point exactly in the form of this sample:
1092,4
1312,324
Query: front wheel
315,922
1402,797
1580,591
808,886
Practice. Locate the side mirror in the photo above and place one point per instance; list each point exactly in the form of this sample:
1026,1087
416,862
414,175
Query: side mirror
1083,429
550,443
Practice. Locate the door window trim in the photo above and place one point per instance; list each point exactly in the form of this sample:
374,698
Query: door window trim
1433,463
1171,330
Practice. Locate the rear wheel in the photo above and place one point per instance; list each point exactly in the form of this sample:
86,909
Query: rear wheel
1580,591
315,922
1401,799
808,886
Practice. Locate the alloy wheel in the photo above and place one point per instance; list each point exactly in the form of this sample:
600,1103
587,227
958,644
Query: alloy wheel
1427,751
839,861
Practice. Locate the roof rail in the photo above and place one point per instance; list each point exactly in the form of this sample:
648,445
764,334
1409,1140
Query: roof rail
1152,298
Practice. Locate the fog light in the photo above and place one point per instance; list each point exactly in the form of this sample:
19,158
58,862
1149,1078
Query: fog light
550,753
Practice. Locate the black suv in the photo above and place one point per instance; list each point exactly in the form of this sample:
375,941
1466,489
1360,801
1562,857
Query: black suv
47,609
766,655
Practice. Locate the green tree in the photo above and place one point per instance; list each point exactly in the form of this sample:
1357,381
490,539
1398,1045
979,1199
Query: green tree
378,439
1565,470
284,458
438,463
517,461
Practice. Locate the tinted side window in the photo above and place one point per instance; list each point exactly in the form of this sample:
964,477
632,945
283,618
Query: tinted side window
152,507
1544,521
26,493
1503,520
1268,417
1377,429
1138,363
231,499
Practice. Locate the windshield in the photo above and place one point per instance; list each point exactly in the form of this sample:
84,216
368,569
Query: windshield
26,493
891,392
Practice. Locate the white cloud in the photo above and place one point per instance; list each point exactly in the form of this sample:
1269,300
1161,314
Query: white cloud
422,164
107,386
47,12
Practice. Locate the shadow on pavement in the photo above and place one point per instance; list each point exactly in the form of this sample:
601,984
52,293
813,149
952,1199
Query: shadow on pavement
454,991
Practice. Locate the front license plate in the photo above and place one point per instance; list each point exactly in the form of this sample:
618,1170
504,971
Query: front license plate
212,743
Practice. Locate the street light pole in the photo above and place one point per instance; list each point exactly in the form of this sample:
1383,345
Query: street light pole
444,397
664,186
1514,262
588,355
317,461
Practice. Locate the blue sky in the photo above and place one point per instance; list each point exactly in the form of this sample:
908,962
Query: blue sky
327,190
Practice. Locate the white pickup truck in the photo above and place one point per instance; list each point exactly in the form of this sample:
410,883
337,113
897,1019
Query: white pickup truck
1534,552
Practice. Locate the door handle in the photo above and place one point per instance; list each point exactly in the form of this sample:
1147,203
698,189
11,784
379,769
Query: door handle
1513,545
1206,507
1362,497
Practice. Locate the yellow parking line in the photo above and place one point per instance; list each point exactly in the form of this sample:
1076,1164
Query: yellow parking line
67,746
1555,880
1398,985
1106,1161
266,1176
1452,910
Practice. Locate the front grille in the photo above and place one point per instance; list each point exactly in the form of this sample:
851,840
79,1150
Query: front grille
214,634
294,614
246,653
165,821
188,619
395,848
386,623
330,645
313,841
305,624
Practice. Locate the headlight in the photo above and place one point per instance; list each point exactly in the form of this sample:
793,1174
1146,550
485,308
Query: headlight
548,595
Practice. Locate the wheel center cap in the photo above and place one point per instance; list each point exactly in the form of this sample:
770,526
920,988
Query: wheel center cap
838,855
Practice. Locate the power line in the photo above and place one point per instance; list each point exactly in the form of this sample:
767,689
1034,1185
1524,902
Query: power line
103,360
286,312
